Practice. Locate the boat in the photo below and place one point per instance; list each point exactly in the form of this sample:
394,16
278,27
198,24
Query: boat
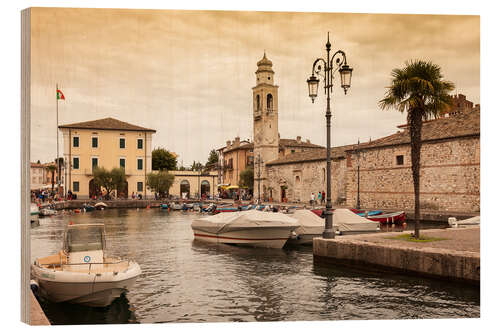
100,205
47,212
226,209
164,206
389,218
311,225
81,272
248,228
369,213
473,221
346,222
34,213
88,207
175,206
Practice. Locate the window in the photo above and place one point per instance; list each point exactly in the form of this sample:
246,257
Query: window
258,102
76,186
399,160
269,102
94,142
122,163
122,142
139,143
94,162
139,186
76,163
76,141
293,151
139,164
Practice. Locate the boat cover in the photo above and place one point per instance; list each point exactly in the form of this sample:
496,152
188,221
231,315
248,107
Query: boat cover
345,220
310,223
241,220
472,221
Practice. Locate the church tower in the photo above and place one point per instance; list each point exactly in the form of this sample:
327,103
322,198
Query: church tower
265,123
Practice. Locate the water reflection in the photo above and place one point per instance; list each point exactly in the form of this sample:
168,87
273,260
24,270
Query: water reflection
184,280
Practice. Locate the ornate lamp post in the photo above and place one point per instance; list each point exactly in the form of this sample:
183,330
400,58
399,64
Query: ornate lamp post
336,63
358,204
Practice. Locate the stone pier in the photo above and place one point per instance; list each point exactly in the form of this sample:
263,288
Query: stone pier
37,316
456,257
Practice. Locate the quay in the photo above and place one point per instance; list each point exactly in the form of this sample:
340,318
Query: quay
456,257
37,316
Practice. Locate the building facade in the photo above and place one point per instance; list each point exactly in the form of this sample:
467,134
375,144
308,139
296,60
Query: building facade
449,174
107,143
194,184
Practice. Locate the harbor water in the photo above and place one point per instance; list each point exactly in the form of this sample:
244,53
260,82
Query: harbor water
184,280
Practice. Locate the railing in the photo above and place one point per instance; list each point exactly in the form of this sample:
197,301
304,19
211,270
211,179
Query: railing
108,264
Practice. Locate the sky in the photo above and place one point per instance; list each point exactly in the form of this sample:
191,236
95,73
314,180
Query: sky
189,74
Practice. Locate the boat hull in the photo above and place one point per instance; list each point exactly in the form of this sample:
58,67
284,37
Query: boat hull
90,289
272,237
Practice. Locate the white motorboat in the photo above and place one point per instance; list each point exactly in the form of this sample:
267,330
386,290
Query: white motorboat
250,228
81,273
473,221
100,206
346,222
175,206
47,212
34,213
311,225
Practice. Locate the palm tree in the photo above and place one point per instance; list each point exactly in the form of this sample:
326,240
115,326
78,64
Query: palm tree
52,169
419,89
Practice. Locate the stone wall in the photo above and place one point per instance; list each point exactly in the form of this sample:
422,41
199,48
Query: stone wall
303,178
449,177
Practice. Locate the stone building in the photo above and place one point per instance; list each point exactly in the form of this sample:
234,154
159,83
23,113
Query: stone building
193,184
450,167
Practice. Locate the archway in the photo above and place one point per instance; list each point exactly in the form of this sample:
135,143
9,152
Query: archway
184,189
94,189
205,188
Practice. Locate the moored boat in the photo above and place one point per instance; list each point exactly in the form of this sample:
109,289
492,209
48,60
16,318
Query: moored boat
311,225
100,206
34,213
248,228
389,218
81,272
47,212
345,222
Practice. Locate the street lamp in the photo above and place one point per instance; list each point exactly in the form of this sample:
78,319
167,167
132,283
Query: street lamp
358,204
336,63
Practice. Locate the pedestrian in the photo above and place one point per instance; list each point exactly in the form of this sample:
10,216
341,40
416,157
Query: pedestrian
323,197
313,199
320,198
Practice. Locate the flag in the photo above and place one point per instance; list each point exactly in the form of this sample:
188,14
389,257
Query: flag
60,95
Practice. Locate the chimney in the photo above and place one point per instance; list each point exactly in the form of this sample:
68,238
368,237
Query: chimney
228,143
299,138
237,141
308,141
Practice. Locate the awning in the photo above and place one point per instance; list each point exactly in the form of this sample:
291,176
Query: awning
222,185
232,187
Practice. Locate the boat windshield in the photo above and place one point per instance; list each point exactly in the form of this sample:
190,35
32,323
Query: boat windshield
84,238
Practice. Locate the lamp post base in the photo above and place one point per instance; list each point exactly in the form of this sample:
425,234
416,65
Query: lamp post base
329,234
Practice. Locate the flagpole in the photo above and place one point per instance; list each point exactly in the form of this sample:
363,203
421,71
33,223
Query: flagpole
57,139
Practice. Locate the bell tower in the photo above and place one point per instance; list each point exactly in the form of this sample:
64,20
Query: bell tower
265,121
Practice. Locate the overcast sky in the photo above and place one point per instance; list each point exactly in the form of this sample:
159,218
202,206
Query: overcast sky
189,74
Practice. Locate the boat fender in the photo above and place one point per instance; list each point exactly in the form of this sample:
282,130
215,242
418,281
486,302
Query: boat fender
452,221
34,286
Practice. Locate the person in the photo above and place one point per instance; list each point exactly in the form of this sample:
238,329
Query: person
313,199
323,197
133,195
320,198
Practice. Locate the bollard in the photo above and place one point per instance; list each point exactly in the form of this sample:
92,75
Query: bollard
452,221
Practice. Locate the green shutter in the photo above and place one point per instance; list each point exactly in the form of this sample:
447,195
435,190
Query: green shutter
139,164
122,143
139,143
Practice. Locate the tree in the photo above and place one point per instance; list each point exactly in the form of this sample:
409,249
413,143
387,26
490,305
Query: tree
52,169
118,179
246,177
196,166
162,159
103,179
160,182
213,159
418,89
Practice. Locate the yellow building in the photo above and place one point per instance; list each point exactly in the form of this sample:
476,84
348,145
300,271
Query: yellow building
107,143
